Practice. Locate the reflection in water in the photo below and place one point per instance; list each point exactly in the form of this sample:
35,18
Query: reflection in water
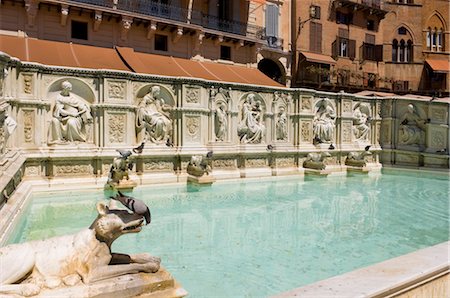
261,238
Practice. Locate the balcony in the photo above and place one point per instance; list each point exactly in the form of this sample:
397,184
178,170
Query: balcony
371,52
179,14
372,7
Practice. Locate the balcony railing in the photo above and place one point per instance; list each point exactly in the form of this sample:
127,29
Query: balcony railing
371,52
179,14
372,3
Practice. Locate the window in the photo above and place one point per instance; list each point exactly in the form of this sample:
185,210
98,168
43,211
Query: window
80,30
402,31
160,42
315,37
225,52
435,39
371,25
343,18
343,47
402,51
314,12
272,20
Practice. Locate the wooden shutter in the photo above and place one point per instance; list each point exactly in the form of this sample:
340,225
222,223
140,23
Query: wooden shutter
351,49
335,48
272,20
315,37
379,52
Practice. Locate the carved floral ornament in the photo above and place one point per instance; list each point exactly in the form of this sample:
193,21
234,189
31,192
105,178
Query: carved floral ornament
192,95
116,89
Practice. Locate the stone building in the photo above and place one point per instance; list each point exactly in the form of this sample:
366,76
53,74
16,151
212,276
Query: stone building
398,46
246,33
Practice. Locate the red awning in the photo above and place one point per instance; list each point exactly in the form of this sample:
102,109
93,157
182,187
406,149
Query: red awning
126,59
179,67
318,58
440,66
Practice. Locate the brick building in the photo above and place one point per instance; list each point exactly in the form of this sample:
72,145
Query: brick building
253,34
400,46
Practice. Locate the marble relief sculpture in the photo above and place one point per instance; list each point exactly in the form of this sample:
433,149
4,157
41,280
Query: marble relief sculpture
7,127
71,117
72,260
221,122
357,159
199,165
361,122
153,117
316,160
251,129
412,127
324,122
281,125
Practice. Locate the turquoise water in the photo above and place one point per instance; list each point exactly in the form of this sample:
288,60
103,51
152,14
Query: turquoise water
258,238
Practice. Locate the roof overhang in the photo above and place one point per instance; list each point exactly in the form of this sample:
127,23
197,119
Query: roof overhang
318,58
439,66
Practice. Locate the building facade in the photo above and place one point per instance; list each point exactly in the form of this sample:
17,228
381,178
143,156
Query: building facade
250,33
399,46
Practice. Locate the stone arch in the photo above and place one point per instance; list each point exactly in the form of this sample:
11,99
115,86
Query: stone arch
274,69
409,33
79,88
435,19
166,94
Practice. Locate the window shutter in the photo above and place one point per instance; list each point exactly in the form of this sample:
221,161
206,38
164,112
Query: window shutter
351,49
365,79
319,37
315,37
379,52
334,47
312,37
272,20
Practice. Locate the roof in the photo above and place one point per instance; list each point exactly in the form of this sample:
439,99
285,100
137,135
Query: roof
318,58
126,59
442,66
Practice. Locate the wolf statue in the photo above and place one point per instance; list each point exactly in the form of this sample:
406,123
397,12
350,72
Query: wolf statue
81,258
316,161
357,159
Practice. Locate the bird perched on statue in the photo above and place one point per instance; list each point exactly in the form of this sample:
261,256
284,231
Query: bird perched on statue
139,148
135,205
209,154
331,147
269,147
124,154
367,148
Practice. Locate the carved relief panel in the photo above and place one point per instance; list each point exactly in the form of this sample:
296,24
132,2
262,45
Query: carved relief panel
191,95
280,108
27,84
346,131
116,127
324,121
71,116
28,126
251,122
192,128
306,104
438,114
154,116
305,131
116,90
361,122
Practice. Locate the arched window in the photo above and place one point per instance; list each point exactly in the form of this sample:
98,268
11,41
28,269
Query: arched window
401,52
439,41
394,50
433,40
409,51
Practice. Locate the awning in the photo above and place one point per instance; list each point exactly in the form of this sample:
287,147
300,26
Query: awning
126,59
61,53
318,58
258,1
439,66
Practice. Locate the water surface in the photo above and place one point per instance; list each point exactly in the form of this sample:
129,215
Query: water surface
259,238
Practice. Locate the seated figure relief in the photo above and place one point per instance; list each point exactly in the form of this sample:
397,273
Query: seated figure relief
324,122
361,123
412,127
71,118
153,117
251,128
74,260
